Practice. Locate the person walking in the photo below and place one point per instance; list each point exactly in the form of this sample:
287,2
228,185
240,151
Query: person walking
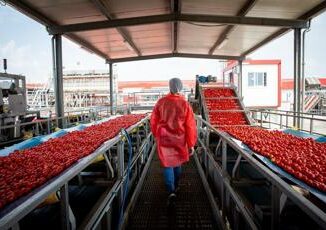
174,128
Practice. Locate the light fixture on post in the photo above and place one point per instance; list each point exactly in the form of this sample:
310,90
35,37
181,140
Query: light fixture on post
222,44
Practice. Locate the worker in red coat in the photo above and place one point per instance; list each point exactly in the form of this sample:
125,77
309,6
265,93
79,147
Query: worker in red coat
174,128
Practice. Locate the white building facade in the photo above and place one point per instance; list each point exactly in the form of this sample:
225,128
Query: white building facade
261,81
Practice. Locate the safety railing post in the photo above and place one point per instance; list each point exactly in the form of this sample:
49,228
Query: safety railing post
224,168
224,155
49,125
311,125
120,152
269,119
276,194
37,131
261,118
281,121
64,204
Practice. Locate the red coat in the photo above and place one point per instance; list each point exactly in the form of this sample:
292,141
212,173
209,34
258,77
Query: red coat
174,128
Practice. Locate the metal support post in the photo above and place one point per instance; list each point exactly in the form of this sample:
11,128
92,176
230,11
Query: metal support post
107,220
111,87
303,84
121,169
58,79
275,207
224,157
297,77
120,159
64,200
240,78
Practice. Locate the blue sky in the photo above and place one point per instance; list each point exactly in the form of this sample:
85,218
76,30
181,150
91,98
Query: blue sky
27,46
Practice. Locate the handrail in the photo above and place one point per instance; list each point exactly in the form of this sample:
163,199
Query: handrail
23,206
310,208
297,116
279,114
280,110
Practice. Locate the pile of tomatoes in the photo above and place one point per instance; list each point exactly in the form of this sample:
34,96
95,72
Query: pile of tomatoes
227,118
222,104
24,170
223,101
303,158
218,92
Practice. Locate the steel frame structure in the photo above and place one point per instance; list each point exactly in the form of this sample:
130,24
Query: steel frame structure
222,166
174,17
284,122
11,215
179,17
228,30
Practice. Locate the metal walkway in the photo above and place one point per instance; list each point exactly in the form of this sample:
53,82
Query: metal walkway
192,209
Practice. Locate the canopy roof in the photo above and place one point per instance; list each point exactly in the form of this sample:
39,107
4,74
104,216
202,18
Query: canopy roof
122,30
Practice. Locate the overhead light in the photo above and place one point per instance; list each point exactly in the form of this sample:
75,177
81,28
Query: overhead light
222,44
128,45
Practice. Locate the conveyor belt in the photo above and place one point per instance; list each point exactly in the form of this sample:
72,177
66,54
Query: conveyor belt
192,209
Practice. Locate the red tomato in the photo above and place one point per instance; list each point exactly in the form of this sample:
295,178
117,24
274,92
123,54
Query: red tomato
24,170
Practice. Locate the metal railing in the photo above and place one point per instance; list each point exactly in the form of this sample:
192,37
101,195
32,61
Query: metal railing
111,201
309,122
72,118
223,162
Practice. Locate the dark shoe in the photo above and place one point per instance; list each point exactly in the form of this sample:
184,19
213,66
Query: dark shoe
171,200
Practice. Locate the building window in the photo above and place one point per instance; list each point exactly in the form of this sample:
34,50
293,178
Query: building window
257,79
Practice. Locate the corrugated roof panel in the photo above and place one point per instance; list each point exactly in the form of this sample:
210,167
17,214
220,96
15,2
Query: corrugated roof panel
68,12
109,41
221,7
107,35
156,50
288,9
312,81
198,37
243,37
127,8
156,39
149,37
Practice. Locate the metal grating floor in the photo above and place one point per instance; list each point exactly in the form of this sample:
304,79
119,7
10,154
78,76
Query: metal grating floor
192,209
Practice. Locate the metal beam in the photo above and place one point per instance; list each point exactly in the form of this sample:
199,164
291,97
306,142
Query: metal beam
112,24
26,9
58,77
89,47
297,77
275,35
240,78
306,16
219,19
104,8
242,12
176,9
111,87
169,55
320,8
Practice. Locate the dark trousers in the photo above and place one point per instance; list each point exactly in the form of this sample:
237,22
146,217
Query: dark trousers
171,178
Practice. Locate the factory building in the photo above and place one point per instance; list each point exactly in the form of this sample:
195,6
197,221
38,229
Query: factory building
259,78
